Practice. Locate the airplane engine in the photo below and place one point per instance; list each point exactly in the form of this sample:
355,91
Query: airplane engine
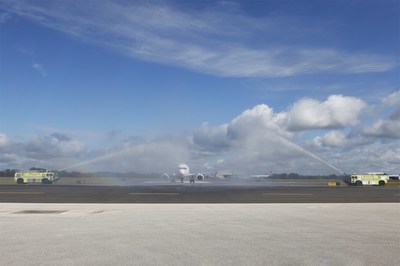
200,177
165,177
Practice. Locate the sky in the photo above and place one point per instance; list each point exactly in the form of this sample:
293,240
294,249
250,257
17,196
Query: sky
309,87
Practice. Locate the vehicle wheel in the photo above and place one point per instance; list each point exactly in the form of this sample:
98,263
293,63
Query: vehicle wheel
381,183
20,181
45,181
358,183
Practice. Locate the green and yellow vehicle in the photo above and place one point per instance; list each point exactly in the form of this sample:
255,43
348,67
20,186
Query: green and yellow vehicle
373,179
35,176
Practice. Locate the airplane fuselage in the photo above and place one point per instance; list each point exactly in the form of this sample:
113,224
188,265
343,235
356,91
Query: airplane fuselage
183,171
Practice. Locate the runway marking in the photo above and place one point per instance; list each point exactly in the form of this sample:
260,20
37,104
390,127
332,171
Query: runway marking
155,193
286,194
40,212
20,193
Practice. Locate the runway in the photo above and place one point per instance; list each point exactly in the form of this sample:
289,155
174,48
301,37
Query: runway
198,193
309,234
256,224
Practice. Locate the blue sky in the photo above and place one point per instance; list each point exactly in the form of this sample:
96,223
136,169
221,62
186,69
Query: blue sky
253,86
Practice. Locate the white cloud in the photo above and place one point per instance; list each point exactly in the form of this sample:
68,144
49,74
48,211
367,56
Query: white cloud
261,118
260,140
336,112
209,137
253,127
55,145
4,140
40,68
216,41
255,141
387,128
392,99
333,138
395,115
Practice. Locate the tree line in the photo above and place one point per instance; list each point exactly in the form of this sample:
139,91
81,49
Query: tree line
11,172
298,176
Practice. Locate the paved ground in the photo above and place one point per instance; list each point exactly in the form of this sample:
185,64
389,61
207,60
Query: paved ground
306,225
198,193
200,234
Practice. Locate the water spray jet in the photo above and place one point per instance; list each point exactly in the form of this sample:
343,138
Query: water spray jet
293,145
97,159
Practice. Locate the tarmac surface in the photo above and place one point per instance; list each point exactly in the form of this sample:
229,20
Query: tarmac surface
200,234
252,224
196,193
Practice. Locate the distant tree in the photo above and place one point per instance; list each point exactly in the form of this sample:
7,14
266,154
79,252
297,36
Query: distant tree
294,176
75,174
8,172
62,173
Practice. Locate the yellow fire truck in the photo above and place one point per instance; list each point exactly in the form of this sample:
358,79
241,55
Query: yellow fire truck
377,179
41,176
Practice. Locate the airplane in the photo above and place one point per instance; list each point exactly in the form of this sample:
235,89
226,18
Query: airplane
259,177
183,172
224,174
